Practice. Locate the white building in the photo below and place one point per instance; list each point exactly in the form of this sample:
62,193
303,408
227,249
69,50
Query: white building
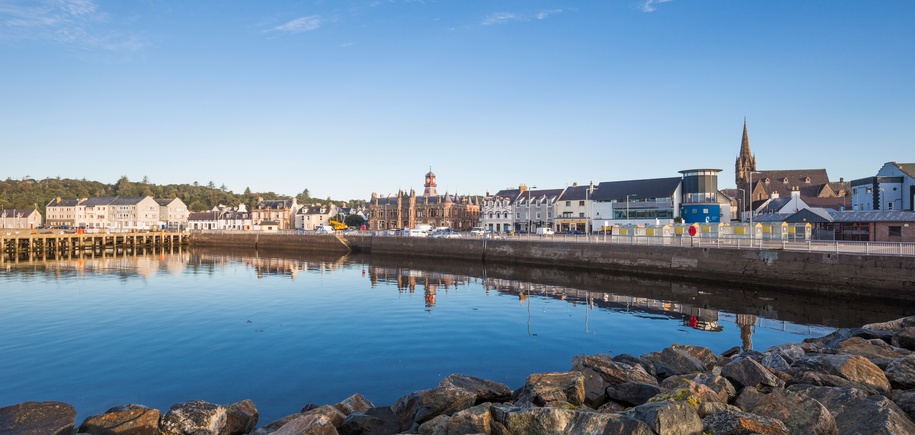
636,202
310,217
19,219
535,209
497,212
893,188
173,214
573,209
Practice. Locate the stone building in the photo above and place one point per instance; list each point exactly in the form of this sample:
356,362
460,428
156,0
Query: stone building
407,209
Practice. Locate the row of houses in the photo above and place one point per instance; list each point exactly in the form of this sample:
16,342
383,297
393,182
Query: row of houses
270,215
143,213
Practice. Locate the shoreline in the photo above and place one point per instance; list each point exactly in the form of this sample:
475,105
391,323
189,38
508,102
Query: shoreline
855,380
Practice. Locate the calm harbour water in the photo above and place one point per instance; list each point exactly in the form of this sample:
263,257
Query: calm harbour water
287,331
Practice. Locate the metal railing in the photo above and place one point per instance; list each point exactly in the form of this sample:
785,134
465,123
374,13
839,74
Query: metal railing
826,246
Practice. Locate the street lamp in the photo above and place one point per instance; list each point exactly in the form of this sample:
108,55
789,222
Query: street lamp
750,207
627,207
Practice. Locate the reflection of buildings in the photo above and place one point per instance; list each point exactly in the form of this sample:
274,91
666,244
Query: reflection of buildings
267,266
407,280
172,262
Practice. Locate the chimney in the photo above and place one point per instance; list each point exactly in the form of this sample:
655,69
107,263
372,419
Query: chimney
795,193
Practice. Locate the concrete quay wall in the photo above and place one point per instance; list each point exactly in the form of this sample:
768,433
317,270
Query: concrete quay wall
854,275
849,274
283,242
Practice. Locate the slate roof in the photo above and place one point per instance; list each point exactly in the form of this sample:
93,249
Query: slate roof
165,202
908,168
783,181
539,194
835,203
820,215
651,188
128,200
13,212
64,202
576,193
275,204
202,216
100,200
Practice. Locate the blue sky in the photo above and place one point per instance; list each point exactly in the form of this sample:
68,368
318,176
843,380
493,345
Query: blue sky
351,97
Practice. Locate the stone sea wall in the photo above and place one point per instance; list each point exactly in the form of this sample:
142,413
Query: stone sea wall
853,381
883,276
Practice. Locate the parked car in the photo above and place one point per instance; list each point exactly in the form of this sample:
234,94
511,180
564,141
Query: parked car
350,232
545,231
574,233
477,231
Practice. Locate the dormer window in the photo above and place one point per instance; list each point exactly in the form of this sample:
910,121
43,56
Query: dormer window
767,181
785,180
807,180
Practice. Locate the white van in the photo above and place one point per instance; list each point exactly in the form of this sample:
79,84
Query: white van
477,231
324,229
414,232
545,231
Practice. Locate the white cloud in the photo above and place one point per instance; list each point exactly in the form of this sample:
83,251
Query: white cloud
299,25
78,23
499,18
650,5
546,13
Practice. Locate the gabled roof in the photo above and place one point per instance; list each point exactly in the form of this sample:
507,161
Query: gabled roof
820,215
202,216
64,202
274,204
100,200
544,194
810,182
511,194
908,168
14,212
164,202
576,193
642,189
128,200
835,203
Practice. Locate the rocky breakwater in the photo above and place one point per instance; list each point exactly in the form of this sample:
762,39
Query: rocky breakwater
854,381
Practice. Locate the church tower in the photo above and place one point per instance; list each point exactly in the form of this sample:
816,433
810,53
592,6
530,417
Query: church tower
746,161
430,184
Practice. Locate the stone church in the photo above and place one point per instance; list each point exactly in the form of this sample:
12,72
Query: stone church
407,210
813,185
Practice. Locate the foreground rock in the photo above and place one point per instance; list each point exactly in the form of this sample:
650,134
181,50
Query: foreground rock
37,418
128,419
853,381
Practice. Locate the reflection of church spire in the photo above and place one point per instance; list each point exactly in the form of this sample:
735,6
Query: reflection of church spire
746,322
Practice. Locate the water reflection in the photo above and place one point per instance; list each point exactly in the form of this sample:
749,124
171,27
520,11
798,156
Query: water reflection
696,306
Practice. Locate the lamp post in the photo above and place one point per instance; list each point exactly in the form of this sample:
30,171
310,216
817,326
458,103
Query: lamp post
627,207
750,207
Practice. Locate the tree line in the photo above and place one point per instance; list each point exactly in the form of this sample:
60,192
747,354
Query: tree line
29,193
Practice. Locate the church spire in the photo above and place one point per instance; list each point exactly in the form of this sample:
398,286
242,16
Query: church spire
746,162
745,142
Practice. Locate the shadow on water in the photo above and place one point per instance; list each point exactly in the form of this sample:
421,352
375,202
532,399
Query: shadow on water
696,303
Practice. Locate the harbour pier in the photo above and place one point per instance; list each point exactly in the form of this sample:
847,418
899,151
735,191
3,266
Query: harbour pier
16,247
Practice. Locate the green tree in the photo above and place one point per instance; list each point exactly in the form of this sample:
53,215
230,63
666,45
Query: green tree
354,220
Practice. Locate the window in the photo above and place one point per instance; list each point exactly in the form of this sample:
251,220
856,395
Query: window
568,203
895,231
581,203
